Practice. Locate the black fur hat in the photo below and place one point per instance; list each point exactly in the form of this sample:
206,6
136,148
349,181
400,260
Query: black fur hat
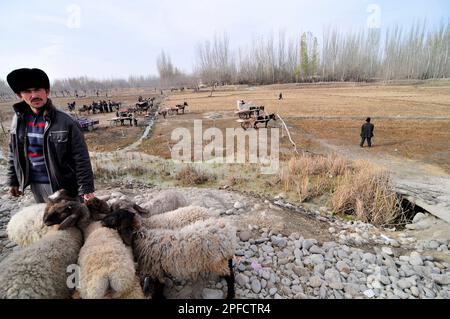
23,79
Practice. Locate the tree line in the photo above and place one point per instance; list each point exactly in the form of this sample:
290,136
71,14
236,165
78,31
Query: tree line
367,55
85,86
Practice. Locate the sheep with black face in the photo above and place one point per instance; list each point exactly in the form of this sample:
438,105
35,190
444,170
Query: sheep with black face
205,246
106,265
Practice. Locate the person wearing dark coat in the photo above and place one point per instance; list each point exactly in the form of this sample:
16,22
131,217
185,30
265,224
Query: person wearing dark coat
367,133
47,150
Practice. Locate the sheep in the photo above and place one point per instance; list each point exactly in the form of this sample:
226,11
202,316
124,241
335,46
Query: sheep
206,246
107,267
178,218
27,227
128,205
165,201
39,270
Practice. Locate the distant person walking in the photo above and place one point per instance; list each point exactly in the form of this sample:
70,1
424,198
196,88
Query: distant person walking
367,133
280,97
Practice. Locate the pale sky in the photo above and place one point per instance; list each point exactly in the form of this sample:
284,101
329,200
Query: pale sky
115,38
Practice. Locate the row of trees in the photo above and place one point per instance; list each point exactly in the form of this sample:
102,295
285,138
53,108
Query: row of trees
170,76
88,86
417,53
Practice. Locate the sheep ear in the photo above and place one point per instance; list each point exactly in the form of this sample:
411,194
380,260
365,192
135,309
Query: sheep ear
127,235
139,209
69,222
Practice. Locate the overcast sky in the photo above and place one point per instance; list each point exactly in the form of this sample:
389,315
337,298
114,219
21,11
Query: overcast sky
114,38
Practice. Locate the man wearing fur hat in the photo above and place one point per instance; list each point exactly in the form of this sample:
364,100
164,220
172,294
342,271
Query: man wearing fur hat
47,148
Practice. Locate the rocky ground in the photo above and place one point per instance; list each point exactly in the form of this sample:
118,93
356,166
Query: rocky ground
287,252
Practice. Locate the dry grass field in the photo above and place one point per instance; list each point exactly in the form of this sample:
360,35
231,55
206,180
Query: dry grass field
106,137
411,121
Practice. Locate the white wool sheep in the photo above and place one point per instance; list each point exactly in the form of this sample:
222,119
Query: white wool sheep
178,218
39,271
206,246
107,267
165,201
27,226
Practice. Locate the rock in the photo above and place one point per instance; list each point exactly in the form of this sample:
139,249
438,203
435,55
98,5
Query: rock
429,293
441,279
351,289
273,291
242,280
323,292
415,291
384,280
308,243
279,241
387,250
267,248
342,254
186,293
10,245
315,281
265,274
418,217
433,244
238,205
256,286
332,275
280,196
415,259
404,284
212,293
245,235
3,234
300,271
369,293
319,269
298,253
316,259
316,250
343,267
370,258
296,289
331,230
285,281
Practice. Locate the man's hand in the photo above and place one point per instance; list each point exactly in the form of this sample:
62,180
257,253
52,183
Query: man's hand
88,196
14,191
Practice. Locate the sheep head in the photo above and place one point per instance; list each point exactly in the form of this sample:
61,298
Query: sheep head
66,214
125,222
98,208
130,206
60,195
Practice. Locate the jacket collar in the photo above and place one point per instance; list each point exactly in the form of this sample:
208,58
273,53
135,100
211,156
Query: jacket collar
22,107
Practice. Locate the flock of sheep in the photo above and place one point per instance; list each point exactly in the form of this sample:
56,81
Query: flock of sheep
122,250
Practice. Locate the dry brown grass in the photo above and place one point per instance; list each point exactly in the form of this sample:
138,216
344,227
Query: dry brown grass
360,188
356,100
190,175
311,176
367,192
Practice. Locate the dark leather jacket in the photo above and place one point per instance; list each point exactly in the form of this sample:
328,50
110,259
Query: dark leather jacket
65,152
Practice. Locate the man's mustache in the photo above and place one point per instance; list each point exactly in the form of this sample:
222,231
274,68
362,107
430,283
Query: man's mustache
36,100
